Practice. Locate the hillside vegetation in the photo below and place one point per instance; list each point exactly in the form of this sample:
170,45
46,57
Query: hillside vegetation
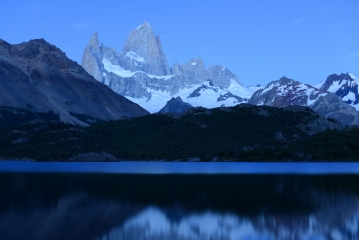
240,133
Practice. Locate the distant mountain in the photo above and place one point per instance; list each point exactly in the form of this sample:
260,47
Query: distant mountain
287,92
38,80
176,106
140,72
344,86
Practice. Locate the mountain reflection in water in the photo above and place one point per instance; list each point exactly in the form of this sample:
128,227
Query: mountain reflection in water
193,206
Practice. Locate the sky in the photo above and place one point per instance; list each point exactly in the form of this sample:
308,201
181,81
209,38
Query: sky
259,41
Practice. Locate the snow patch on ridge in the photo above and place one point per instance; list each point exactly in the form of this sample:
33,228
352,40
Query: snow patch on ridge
355,106
350,96
334,87
319,85
208,99
159,77
160,98
116,69
237,89
135,56
156,103
311,102
120,71
208,96
270,87
292,91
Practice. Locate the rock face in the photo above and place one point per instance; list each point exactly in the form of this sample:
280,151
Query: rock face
141,73
91,64
176,105
38,77
344,86
286,92
143,52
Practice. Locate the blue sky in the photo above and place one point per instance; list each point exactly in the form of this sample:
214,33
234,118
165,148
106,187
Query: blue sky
259,41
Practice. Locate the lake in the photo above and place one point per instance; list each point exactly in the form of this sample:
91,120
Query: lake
192,200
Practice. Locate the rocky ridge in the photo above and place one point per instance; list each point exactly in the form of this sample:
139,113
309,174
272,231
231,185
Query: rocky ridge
37,77
141,74
176,106
286,92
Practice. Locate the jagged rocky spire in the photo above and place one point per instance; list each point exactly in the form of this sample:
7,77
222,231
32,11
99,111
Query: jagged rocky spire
143,51
91,56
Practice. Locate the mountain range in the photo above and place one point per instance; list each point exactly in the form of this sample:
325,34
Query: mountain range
38,81
204,113
140,72
286,92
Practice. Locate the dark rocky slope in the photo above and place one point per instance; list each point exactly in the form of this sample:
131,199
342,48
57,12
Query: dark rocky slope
36,76
176,106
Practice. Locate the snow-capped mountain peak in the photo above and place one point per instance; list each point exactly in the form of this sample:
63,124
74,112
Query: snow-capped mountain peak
286,92
344,86
141,73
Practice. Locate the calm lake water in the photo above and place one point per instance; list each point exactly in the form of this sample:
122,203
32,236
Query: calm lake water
161,200
182,167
